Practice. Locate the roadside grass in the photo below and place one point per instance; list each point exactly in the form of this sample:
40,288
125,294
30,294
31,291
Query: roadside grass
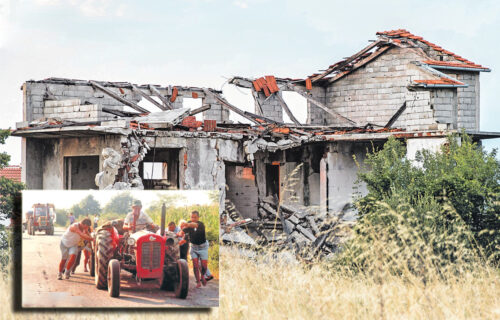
270,288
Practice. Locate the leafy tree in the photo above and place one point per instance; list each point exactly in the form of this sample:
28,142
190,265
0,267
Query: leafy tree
87,206
119,204
462,178
8,189
61,217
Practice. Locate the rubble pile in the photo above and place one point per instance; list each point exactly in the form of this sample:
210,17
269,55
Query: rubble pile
300,229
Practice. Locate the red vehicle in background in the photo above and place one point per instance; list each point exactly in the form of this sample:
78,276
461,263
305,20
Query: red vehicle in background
40,218
146,255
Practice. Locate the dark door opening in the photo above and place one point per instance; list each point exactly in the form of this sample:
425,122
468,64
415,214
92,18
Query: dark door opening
160,169
273,180
79,172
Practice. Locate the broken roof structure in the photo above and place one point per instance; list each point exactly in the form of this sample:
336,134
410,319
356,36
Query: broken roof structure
80,134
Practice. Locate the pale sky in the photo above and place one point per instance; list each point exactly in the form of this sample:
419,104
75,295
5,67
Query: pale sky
64,199
205,42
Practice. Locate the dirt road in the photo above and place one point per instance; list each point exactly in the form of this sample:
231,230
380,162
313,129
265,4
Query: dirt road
40,287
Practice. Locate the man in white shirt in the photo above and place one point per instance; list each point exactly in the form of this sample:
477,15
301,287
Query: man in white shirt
137,219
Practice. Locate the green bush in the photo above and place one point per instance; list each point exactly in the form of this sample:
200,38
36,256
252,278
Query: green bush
441,212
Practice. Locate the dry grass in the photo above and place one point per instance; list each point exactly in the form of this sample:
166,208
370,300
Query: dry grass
262,289
272,289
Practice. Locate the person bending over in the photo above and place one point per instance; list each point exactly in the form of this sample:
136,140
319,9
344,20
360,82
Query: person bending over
69,245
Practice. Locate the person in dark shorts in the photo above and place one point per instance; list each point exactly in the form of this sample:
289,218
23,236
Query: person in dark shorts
195,232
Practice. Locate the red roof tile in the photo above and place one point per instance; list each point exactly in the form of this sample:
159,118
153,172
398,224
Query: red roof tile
402,33
453,64
11,172
440,81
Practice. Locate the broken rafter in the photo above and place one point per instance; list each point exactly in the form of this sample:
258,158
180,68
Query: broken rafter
396,116
119,113
161,97
204,107
147,97
361,63
287,110
257,103
257,117
229,106
116,96
342,64
321,105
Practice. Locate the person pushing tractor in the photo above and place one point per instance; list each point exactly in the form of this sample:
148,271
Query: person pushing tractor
69,245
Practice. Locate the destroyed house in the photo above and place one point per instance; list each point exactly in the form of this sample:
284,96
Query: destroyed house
94,134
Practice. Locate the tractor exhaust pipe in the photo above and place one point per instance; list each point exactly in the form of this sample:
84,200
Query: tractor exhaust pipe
163,215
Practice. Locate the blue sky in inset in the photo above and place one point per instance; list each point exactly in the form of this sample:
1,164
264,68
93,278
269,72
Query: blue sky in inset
204,42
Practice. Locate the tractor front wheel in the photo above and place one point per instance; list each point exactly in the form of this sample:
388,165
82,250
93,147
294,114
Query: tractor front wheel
182,283
104,253
114,278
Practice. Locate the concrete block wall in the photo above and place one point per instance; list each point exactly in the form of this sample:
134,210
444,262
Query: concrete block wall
418,114
34,100
316,115
373,93
216,111
468,101
178,103
444,104
271,107
72,109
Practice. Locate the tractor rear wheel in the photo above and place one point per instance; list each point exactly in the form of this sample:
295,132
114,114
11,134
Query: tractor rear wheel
114,278
104,253
182,283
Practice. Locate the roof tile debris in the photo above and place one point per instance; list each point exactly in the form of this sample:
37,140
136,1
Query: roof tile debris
402,33
387,40
444,81
12,172
454,64
267,84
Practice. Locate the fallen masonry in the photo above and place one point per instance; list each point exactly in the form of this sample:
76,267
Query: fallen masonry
286,184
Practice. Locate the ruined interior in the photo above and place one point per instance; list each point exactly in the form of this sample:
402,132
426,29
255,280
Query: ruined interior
290,176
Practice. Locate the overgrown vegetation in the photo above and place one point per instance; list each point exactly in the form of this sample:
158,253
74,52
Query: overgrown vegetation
428,218
8,190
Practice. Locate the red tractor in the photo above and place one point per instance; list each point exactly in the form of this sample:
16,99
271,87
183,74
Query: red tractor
40,218
145,254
